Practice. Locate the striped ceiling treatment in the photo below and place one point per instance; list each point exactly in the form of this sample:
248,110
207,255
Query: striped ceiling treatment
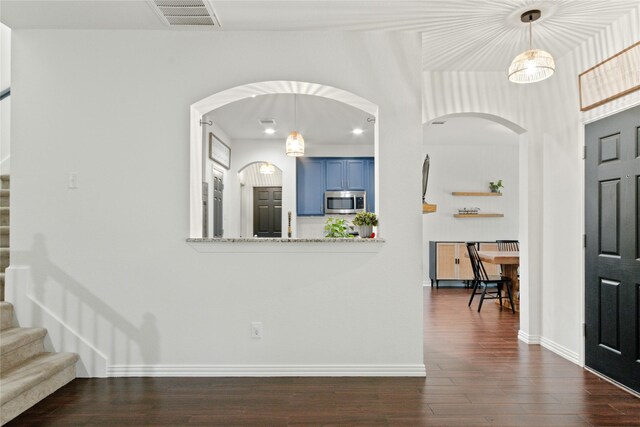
251,176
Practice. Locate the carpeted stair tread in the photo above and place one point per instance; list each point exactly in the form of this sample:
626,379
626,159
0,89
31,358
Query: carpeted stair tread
13,338
4,229
32,372
6,315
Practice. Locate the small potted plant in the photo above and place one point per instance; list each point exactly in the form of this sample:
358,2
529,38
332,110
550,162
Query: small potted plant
496,186
337,228
365,222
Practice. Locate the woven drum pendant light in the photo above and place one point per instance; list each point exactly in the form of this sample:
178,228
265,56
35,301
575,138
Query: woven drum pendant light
295,142
533,65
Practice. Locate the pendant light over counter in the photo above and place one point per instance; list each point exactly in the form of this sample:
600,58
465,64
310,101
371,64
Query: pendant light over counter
532,65
295,142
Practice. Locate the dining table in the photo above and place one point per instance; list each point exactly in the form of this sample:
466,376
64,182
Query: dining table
509,262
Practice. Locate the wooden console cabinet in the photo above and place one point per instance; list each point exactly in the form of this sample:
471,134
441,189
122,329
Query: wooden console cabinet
447,261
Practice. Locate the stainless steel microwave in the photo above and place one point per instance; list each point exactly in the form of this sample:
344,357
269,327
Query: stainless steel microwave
344,202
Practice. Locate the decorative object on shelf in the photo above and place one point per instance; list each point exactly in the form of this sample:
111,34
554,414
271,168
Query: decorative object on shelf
479,215
295,142
475,193
365,222
532,65
496,186
469,211
289,225
267,169
610,79
426,207
219,152
337,228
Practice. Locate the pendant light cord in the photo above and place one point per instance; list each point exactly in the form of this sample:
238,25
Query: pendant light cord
295,112
530,33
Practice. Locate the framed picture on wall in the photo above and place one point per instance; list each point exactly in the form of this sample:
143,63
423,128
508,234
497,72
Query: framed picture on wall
219,152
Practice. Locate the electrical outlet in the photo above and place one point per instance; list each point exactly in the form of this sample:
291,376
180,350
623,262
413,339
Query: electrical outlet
73,180
256,330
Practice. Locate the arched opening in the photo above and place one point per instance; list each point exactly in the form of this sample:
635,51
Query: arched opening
260,194
202,128
467,151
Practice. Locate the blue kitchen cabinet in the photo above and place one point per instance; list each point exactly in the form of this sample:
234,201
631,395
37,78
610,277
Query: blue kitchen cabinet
370,184
310,174
315,175
335,174
355,174
344,174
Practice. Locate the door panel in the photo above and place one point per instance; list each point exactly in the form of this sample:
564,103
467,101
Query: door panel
610,314
465,271
446,261
267,211
612,254
218,187
609,217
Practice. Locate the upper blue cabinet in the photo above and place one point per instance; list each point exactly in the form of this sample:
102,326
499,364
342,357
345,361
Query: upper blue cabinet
345,174
310,173
315,175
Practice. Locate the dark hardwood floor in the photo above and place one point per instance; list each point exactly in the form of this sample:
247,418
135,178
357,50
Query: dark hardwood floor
478,373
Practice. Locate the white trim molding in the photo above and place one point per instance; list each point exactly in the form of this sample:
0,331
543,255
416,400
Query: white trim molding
266,371
528,339
571,356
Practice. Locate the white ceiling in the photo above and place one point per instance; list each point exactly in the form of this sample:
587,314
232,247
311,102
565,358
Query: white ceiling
319,120
480,35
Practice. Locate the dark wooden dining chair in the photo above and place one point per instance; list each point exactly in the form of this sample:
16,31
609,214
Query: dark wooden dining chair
483,280
508,245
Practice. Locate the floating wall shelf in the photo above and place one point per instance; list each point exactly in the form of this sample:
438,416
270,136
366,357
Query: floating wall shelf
486,215
478,194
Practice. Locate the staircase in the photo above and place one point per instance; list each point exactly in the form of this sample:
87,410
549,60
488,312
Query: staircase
27,373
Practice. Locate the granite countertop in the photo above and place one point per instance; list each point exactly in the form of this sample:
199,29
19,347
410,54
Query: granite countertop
277,240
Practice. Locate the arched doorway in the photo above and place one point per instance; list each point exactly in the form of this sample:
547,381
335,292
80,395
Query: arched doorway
529,245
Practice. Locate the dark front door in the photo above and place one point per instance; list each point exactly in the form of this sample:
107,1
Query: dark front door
267,211
612,343
218,186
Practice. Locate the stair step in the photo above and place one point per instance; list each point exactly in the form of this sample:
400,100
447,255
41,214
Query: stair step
6,315
4,259
4,197
4,229
6,181
33,380
1,289
4,216
20,344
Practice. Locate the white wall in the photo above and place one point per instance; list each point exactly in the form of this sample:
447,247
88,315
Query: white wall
5,105
551,156
109,260
465,154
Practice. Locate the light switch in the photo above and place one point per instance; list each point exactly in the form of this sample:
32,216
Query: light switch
73,180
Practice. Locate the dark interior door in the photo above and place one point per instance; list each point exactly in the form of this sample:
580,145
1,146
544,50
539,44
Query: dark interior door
218,187
267,211
612,343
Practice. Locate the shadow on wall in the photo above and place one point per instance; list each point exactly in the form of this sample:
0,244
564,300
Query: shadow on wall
76,301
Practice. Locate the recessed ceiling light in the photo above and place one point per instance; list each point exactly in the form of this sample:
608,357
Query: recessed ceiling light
357,131
269,131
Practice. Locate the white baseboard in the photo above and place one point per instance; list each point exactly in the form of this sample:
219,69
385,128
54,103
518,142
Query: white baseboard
528,339
266,371
427,283
571,356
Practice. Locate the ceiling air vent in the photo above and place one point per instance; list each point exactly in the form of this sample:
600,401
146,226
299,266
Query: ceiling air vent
186,13
265,122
